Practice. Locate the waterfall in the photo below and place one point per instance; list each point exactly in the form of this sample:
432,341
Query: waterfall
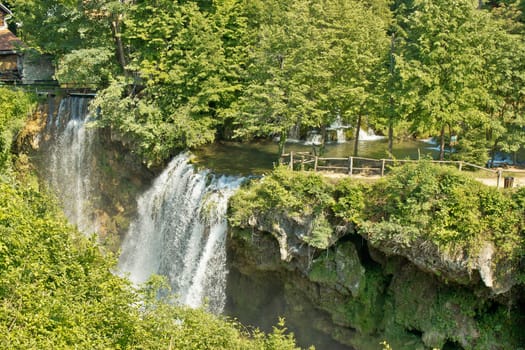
68,163
340,134
369,135
180,233
313,139
339,128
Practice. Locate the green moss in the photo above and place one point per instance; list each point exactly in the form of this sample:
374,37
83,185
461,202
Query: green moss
365,312
323,270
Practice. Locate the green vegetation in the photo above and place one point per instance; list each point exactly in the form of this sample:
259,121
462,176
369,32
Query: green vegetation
416,202
283,191
287,194
180,74
58,289
14,107
446,207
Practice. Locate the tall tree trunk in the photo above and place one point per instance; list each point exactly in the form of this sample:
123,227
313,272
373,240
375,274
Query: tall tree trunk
356,142
493,153
390,136
391,116
282,142
323,140
442,143
115,29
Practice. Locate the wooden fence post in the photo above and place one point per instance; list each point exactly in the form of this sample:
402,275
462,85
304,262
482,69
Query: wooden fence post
499,179
382,167
302,162
291,160
315,163
460,166
350,165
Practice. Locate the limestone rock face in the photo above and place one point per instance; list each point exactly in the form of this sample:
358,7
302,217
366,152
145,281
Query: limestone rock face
458,265
293,233
422,303
375,287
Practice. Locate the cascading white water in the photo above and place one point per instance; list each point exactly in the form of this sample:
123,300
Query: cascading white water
369,135
339,128
69,164
314,139
180,233
340,135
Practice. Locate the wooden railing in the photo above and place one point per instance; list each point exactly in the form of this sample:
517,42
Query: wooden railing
378,167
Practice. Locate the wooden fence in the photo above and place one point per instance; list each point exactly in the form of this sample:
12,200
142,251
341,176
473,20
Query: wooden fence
379,167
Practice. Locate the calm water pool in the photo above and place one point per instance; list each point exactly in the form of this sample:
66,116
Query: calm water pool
255,158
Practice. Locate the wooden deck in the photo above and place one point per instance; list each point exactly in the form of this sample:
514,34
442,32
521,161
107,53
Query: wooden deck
370,167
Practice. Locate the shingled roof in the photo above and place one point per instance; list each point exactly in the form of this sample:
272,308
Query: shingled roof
8,41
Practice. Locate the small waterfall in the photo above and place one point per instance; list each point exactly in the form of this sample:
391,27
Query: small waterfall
294,134
369,135
340,134
313,139
180,233
339,129
69,160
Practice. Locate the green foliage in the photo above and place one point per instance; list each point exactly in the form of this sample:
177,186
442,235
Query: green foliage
57,290
184,73
85,67
59,26
15,107
440,204
322,233
311,64
140,125
283,191
349,200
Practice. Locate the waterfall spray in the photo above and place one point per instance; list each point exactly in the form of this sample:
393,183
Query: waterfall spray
180,233
69,161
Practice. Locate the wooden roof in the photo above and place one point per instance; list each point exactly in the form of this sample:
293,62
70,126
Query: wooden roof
9,41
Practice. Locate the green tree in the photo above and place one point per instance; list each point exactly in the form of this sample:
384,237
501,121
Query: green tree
15,108
75,33
314,63
276,95
442,65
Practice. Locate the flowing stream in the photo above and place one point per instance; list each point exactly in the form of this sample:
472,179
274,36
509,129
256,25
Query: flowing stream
180,233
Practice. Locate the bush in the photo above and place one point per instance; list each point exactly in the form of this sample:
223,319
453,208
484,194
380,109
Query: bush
349,200
446,207
284,191
15,107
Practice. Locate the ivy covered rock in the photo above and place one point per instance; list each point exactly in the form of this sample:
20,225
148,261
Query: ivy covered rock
448,224
425,258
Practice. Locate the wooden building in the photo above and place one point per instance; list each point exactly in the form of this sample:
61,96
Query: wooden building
10,57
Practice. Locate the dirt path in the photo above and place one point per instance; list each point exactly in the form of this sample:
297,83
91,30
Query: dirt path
519,181
493,181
